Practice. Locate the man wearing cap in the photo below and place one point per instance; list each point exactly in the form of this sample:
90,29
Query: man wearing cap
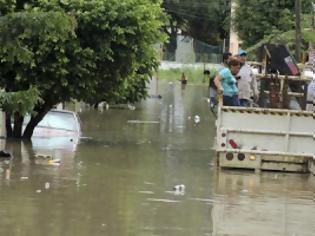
247,83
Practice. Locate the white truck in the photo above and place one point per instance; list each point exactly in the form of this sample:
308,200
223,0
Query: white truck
265,139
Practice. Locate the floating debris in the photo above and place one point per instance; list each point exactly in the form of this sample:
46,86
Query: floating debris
179,187
7,174
156,96
162,200
5,154
176,193
7,161
146,192
140,142
131,107
143,122
47,185
42,156
206,200
38,191
197,119
179,190
24,178
54,161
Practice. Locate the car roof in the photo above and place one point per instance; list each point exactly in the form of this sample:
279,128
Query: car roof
63,111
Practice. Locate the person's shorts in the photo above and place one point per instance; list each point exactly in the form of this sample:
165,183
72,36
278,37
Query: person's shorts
231,101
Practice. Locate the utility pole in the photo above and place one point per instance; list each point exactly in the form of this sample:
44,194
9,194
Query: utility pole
298,32
234,41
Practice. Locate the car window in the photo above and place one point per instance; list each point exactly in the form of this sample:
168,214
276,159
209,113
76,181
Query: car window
57,120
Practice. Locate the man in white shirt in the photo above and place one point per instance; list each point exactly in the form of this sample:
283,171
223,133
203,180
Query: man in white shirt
247,83
310,106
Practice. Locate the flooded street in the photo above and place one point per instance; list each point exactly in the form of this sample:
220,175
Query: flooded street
118,179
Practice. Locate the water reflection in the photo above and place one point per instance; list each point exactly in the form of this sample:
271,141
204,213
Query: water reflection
119,180
46,152
267,204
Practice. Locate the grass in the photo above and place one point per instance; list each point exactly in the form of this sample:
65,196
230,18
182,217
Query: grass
194,75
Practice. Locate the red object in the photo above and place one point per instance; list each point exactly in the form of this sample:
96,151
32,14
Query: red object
292,66
233,144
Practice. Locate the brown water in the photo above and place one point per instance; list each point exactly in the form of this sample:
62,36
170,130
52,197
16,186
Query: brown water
119,180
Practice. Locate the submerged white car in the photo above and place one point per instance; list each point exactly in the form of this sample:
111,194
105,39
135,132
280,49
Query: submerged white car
57,123
59,129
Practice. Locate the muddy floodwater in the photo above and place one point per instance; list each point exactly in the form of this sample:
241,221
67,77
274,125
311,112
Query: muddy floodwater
118,179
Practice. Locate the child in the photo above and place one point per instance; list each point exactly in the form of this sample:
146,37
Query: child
212,89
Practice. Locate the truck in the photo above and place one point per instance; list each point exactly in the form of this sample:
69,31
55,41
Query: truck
265,139
279,135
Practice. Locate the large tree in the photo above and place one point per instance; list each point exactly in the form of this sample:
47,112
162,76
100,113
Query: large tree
86,50
256,19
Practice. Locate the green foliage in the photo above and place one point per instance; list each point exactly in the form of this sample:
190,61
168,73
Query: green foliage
34,51
6,6
86,50
287,38
22,102
120,35
257,18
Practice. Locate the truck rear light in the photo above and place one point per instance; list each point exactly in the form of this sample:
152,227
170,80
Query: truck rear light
241,156
229,156
233,144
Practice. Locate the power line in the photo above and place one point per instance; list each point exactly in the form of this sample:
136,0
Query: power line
195,3
183,12
187,14
190,8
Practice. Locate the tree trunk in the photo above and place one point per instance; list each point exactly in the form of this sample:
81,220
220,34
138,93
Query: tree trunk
28,132
171,47
18,124
8,125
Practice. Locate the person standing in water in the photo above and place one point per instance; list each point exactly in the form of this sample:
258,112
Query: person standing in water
226,83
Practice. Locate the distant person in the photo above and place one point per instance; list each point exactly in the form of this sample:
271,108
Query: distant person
226,83
247,83
183,79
